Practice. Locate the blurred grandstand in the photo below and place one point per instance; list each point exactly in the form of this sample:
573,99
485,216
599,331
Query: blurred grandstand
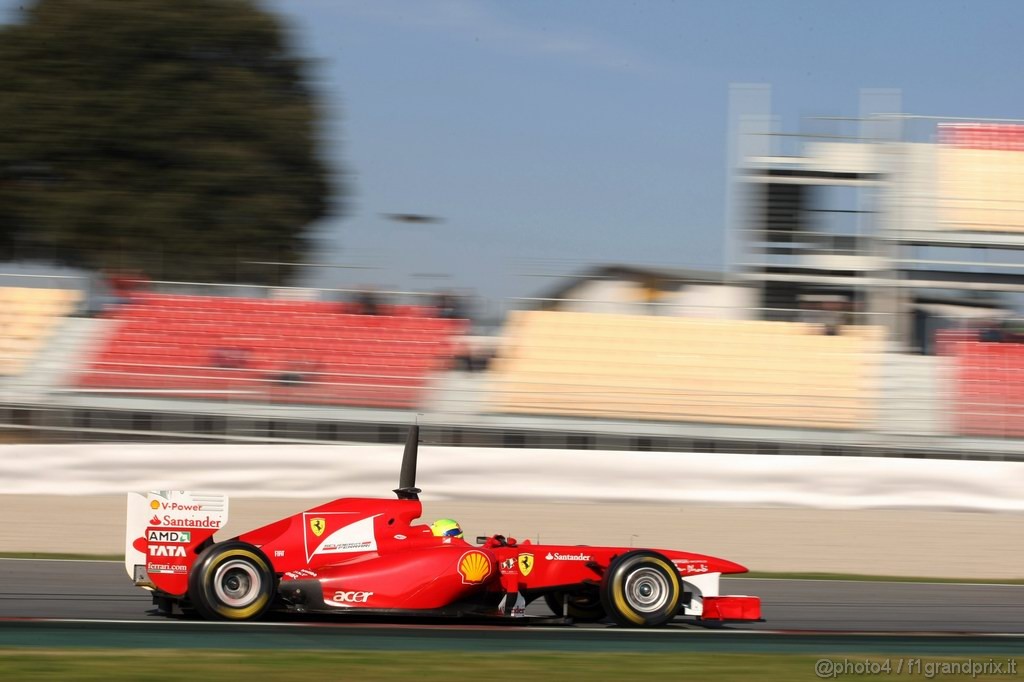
869,310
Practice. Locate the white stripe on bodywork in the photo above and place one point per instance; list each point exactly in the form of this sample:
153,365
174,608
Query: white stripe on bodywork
135,527
701,586
355,537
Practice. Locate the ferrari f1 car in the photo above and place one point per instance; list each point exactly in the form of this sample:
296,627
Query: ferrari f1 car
368,556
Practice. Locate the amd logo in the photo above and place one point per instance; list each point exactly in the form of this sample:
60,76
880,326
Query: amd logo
166,550
169,536
352,597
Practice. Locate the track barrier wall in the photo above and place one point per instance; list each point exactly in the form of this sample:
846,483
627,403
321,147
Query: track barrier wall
451,473
872,516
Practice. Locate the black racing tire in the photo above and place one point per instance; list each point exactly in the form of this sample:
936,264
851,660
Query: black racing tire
641,589
189,612
583,606
231,581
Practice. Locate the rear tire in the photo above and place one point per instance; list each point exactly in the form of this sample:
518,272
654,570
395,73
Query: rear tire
583,607
641,589
231,581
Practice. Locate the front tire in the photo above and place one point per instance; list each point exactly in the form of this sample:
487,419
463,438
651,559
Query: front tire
641,589
231,581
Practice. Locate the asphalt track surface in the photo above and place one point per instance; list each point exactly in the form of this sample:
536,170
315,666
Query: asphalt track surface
93,603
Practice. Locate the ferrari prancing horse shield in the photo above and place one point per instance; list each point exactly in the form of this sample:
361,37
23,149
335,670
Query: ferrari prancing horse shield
525,564
318,526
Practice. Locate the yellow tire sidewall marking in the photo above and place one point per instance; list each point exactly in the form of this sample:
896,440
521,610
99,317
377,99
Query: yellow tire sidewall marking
228,611
623,606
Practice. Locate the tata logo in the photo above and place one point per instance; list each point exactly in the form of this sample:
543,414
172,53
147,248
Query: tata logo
166,550
352,597
182,536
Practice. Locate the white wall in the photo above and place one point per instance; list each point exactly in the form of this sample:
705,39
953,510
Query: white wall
449,473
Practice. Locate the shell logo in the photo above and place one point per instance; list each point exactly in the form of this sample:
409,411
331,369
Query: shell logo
154,505
474,567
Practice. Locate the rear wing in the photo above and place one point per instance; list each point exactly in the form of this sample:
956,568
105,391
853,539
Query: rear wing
166,524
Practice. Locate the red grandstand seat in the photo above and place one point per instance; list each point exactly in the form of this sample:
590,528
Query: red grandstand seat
166,343
988,397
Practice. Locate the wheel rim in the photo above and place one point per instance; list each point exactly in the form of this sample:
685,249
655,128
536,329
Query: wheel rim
647,590
236,583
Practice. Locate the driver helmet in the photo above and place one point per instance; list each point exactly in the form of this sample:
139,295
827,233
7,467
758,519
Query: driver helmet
448,528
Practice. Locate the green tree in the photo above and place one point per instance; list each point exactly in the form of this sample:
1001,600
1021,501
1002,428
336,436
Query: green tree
178,137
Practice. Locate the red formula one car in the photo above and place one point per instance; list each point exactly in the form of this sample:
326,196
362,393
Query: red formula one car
368,556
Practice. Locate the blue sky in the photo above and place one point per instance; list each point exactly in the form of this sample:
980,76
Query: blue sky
553,134
560,133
